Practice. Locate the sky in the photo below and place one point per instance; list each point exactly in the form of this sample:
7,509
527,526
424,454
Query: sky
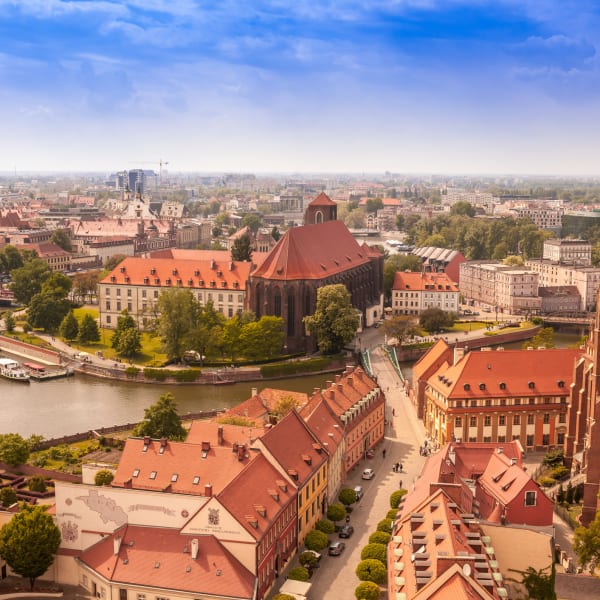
366,86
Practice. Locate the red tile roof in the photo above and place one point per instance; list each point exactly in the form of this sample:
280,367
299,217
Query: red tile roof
219,256
208,431
347,389
159,558
181,468
323,423
502,479
313,252
420,282
322,200
225,275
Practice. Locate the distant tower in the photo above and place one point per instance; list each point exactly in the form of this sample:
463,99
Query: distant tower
137,181
321,209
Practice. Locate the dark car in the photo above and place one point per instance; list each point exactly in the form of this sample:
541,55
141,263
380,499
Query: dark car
336,548
346,531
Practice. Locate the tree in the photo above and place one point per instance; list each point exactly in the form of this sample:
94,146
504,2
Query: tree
14,450
400,328
316,540
27,280
385,525
538,583
275,233
46,311
396,497
161,420
56,285
252,221
434,319
347,496
377,551
103,477
61,238
543,338
587,544
9,322
241,249
513,260
371,570
283,597
463,208
285,404
29,541
299,574
336,512
325,525
308,559
367,590
262,338
379,537
8,496
124,322
89,332
179,312
130,342
37,484
69,328
113,261
13,259
335,321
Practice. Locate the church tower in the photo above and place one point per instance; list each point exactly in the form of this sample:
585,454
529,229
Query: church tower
320,210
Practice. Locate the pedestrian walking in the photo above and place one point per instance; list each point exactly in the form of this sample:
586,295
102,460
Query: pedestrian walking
393,412
401,484
400,466
347,519
383,453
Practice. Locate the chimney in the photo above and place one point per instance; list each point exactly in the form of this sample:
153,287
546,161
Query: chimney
337,378
205,446
350,382
254,392
194,548
208,490
163,442
220,435
146,440
241,451
231,266
332,393
212,264
234,447
458,354
117,544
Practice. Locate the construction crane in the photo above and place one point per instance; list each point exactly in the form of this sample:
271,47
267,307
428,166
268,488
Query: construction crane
160,164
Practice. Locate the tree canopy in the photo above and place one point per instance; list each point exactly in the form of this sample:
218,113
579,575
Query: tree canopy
27,280
89,332
242,248
126,338
69,327
434,319
61,238
335,321
162,420
14,449
29,541
587,544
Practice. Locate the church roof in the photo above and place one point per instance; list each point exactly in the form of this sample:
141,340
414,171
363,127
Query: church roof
322,200
313,252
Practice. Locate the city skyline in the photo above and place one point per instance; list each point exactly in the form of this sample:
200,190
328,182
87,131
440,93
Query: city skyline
414,86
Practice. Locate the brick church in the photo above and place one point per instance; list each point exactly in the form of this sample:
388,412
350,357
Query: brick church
321,252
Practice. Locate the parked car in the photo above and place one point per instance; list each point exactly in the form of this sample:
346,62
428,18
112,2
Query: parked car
346,531
358,490
368,474
467,311
336,548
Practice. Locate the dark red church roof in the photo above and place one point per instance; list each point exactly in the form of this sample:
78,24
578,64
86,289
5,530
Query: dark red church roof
322,200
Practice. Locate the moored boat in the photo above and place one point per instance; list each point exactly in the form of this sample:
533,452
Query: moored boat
11,369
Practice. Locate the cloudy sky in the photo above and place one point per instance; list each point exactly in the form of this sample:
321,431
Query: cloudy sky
427,86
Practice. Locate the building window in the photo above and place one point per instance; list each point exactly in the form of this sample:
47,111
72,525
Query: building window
560,438
502,438
517,420
562,418
156,293
546,418
487,420
118,291
530,440
143,293
129,292
108,320
530,498
458,422
108,305
545,439
501,420
530,419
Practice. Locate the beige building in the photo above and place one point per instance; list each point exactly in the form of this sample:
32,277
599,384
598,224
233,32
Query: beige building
412,293
507,288
574,252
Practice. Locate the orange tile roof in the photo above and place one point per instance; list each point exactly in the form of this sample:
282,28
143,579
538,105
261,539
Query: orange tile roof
313,252
226,275
257,496
323,423
523,373
219,256
347,389
322,200
44,249
439,351
502,479
436,282
161,559
208,431
181,468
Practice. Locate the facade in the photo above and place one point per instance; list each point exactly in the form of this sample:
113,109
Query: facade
136,283
412,293
541,216
559,299
501,287
573,252
585,279
52,254
499,396
440,260
309,257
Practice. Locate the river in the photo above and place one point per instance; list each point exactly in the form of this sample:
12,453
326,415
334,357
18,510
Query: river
76,404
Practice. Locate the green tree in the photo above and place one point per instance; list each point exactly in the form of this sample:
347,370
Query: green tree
371,570
396,497
379,537
325,525
308,559
14,450
9,322
69,328
285,404
61,238
89,332
539,583
124,322
27,280
46,311
347,496
29,541
275,233
179,312
8,496
37,484
367,590
113,261
252,221
56,285
130,342
434,319
513,260
241,249
377,551
335,321
587,544
316,540
262,338
298,574
385,525
463,208
161,420
543,338
103,477
336,512
400,328
13,259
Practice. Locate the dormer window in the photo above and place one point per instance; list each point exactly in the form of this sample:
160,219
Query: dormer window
561,384
167,282
482,386
152,271
135,473
113,278
179,282
122,269
146,280
153,475
156,281
174,271
531,385
174,477
196,480
502,385
196,273
190,282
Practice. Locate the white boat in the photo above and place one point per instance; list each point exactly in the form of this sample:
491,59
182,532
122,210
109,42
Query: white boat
11,369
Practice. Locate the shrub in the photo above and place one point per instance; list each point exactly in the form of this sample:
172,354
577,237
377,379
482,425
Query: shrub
395,497
336,512
291,368
379,537
283,597
553,458
392,514
347,496
27,327
371,570
187,375
385,525
8,496
316,540
37,484
104,477
308,559
132,372
156,374
559,472
546,481
367,590
376,551
325,525
298,573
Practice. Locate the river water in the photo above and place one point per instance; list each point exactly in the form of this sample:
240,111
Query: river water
76,404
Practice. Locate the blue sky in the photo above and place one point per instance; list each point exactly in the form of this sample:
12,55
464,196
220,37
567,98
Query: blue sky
408,86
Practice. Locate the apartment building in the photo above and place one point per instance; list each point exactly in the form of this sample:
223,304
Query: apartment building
573,252
412,293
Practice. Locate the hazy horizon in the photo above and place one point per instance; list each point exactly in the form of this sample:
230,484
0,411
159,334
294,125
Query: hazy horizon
423,87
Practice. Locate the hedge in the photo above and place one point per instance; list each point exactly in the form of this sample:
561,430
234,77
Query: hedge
396,496
299,574
371,570
392,513
367,590
156,374
326,526
292,368
385,525
186,375
132,372
379,537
